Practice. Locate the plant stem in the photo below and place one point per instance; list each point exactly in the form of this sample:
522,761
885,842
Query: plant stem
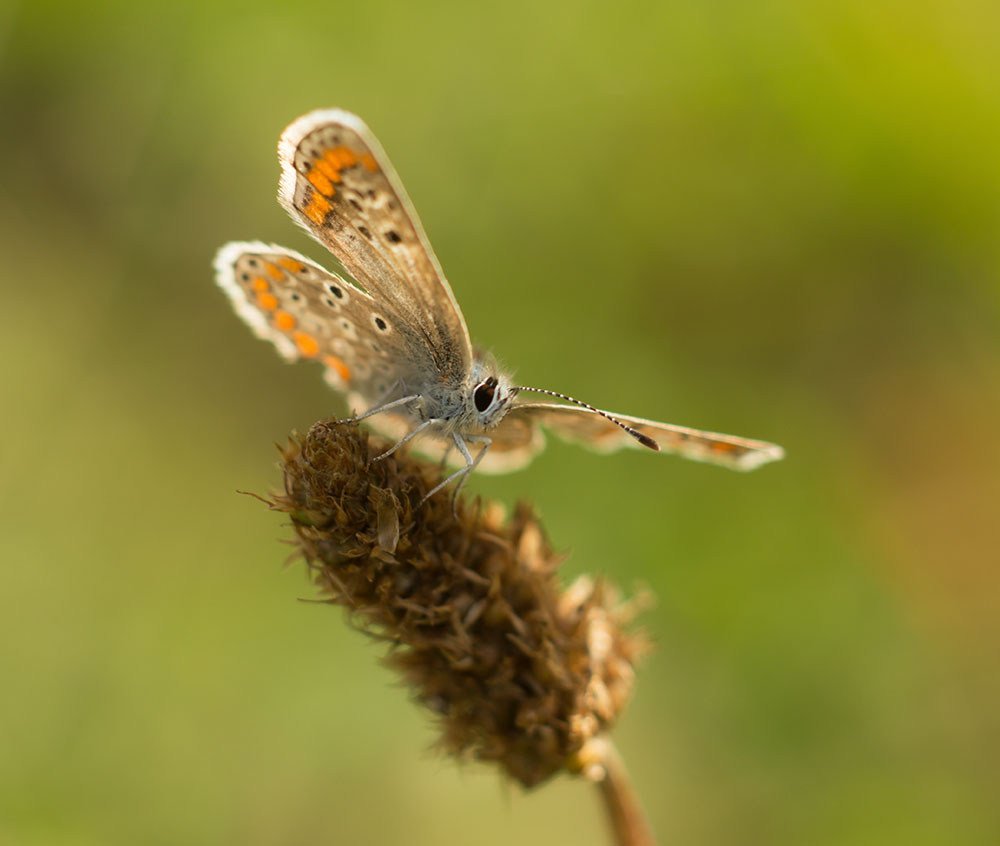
600,763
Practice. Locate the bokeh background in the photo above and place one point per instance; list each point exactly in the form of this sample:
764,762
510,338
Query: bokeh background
778,219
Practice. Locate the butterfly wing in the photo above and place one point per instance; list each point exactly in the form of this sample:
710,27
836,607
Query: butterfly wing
337,182
309,313
581,426
520,440
515,442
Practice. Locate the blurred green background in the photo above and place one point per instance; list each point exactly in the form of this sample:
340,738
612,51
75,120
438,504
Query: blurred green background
777,219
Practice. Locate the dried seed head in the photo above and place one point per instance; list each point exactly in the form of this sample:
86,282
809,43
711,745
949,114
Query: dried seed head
517,671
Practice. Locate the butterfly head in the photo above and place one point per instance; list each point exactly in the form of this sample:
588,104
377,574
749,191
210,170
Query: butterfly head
492,394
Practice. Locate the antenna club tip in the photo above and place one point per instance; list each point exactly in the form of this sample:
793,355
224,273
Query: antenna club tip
647,441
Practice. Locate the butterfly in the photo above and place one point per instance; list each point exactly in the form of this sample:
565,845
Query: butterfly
393,338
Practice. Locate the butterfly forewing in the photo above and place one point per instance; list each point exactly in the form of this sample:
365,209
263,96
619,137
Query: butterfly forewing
310,313
338,183
589,429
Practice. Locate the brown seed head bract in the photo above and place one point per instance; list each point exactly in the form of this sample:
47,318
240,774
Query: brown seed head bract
517,670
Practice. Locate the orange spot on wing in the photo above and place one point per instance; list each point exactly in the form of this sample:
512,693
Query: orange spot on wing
368,160
283,320
328,169
267,301
261,284
340,157
273,270
338,365
723,446
306,343
320,182
291,264
332,159
317,209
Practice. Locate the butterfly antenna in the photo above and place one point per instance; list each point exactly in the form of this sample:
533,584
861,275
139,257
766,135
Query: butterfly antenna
645,440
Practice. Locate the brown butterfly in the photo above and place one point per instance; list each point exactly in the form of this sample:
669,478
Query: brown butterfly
393,337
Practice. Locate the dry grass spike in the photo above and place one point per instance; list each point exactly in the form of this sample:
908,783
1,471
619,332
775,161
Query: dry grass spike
517,670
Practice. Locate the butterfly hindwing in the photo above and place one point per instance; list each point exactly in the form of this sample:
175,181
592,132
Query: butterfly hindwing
310,313
338,183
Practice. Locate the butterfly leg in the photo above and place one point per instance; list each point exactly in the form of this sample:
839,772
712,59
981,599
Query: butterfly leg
444,457
470,465
408,437
378,409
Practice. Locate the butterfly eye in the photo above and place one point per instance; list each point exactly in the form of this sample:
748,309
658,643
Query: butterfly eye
484,394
